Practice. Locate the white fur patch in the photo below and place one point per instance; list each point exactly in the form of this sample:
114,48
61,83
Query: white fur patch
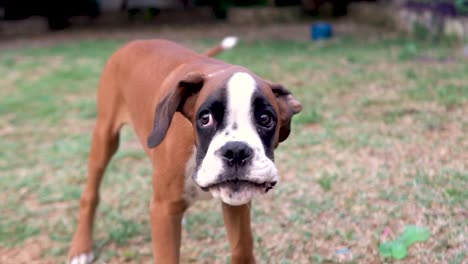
85,258
239,127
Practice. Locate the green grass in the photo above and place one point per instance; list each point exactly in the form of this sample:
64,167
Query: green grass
326,181
381,143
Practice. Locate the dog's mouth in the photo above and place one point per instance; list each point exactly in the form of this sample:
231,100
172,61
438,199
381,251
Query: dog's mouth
239,184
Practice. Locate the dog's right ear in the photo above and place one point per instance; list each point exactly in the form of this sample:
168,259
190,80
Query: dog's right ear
180,99
288,107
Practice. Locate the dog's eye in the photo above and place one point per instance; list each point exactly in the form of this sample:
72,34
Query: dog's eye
266,120
206,120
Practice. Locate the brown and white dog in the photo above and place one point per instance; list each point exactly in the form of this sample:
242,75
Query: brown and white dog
206,125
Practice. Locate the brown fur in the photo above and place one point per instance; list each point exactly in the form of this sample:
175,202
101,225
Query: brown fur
135,81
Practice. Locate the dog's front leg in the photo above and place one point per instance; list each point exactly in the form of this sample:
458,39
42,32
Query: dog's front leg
237,222
166,220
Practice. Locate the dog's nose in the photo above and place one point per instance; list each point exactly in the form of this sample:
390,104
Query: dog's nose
236,153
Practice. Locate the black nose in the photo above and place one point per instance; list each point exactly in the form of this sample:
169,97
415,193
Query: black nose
236,153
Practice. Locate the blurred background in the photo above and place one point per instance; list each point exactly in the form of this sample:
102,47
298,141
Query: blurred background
381,145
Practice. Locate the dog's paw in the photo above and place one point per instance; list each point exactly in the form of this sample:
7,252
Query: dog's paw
85,258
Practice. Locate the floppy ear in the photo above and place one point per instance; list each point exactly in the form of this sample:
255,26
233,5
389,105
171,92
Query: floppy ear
181,99
288,106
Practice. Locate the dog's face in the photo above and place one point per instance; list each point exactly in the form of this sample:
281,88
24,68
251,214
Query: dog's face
236,130
238,120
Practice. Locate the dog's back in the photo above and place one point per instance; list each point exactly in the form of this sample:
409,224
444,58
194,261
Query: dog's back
136,76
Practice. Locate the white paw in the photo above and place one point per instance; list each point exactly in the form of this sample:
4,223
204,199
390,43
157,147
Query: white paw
86,258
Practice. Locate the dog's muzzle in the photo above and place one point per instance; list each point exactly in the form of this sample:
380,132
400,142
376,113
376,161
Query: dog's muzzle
243,175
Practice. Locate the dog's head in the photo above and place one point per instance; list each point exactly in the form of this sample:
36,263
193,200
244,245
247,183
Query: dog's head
238,120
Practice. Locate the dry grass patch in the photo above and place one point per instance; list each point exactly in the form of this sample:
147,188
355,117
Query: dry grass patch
381,144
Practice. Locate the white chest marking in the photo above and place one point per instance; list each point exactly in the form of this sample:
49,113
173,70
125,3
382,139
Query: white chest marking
192,192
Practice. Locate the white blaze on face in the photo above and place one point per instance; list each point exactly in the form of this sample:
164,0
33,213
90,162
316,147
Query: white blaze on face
239,126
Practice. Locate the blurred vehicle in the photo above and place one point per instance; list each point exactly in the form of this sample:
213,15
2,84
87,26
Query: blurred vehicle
312,7
57,12
340,7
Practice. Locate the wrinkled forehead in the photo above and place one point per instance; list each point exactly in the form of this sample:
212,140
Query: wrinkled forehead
237,90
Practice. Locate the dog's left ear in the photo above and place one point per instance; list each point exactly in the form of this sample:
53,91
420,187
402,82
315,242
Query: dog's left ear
288,107
181,98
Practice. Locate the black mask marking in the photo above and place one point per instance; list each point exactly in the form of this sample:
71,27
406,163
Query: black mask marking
260,107
216,105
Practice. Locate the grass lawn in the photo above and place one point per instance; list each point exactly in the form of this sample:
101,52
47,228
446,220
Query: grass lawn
382,143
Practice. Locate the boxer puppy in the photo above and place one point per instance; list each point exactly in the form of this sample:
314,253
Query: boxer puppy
207,126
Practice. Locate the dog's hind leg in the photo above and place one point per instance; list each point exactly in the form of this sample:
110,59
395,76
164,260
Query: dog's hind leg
105,141
104,144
